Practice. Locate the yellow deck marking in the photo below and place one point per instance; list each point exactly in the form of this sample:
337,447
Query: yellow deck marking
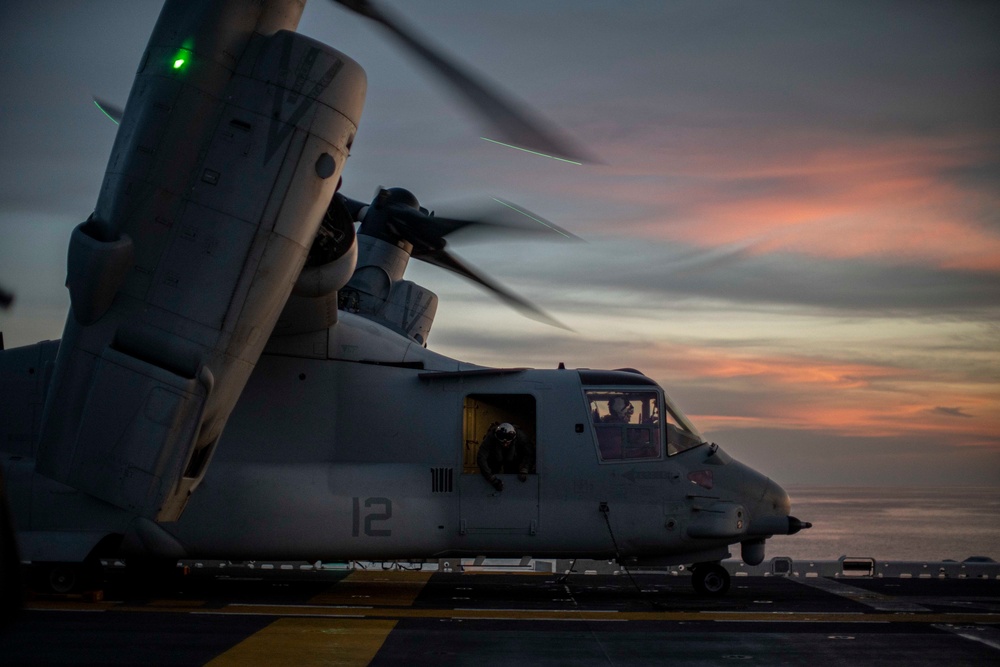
400,612
310,641
375,588
604,615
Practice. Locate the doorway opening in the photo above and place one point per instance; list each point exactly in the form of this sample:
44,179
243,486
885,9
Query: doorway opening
482,411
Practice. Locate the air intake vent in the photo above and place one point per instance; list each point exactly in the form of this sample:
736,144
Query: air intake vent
442,480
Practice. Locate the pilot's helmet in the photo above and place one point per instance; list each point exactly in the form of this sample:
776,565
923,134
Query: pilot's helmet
505,433
621,408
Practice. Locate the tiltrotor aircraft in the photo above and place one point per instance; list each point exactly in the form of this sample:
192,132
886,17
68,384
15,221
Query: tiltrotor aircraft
244,374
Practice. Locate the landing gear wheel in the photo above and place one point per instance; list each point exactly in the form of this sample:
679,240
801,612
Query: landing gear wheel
64,578
710,579
61,578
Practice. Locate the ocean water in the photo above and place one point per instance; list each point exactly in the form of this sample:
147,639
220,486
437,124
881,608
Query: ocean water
893,523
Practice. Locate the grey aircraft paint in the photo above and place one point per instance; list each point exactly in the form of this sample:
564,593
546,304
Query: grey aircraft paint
217,394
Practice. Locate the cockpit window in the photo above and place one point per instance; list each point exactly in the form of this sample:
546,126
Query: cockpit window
629,425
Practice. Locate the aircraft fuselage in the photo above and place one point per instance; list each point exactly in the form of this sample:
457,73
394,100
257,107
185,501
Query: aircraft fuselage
373,458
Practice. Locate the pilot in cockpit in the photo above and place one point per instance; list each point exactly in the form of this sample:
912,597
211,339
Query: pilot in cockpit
505,449
620,411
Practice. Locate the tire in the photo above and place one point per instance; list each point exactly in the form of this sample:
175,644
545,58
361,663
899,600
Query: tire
710,579
62,578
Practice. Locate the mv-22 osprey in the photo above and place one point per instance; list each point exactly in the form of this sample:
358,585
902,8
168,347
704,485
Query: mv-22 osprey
244,373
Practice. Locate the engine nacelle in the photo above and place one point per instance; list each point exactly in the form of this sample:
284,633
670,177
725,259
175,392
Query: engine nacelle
228,155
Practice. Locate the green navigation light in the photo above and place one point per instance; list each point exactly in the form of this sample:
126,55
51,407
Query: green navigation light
518,148
182,58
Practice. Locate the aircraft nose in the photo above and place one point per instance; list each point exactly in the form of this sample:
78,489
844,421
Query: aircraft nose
773,514
775,500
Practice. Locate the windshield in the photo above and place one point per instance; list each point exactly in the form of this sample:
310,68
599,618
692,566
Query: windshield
628,424
681,433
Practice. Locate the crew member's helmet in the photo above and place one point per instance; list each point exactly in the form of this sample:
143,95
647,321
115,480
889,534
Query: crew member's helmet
505,433
621,409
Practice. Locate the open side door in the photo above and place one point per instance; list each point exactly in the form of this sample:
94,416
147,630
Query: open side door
482,508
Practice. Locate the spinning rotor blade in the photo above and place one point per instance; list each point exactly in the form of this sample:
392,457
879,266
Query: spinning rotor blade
6,299
510,219
110,110
504,218
514,125
445,260
395,216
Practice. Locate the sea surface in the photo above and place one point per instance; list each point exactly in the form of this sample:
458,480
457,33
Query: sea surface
892,523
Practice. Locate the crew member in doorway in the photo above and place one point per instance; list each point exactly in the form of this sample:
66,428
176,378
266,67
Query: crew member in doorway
505,449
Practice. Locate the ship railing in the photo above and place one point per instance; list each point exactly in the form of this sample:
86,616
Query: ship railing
780,566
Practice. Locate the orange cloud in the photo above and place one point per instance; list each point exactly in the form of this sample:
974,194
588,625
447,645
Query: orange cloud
851,399
728,364
927,393
891,198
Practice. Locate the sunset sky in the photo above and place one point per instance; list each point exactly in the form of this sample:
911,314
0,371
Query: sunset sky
794,228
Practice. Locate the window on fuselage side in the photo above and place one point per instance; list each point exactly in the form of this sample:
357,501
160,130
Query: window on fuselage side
626,423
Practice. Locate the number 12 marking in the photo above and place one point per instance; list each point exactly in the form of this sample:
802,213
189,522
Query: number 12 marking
371,517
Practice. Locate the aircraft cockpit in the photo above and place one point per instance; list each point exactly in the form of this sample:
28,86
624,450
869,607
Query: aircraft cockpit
630,424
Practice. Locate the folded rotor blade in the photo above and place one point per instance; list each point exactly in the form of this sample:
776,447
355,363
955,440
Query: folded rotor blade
514,125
